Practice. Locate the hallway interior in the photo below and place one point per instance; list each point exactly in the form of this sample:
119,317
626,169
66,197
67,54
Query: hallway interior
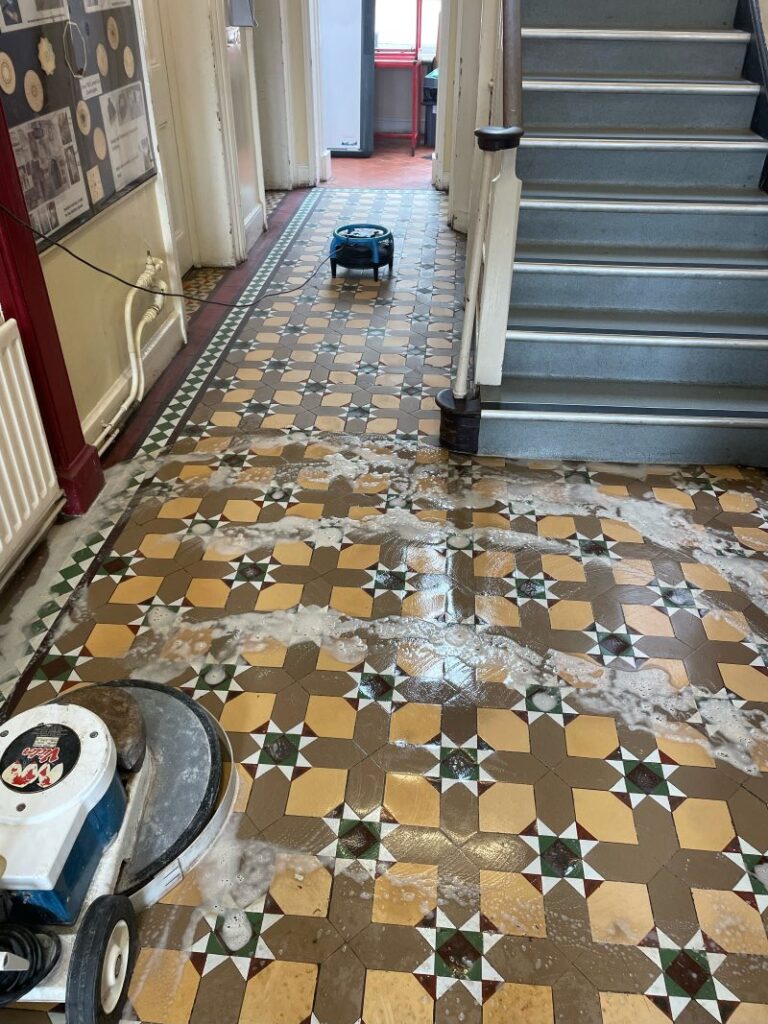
499,727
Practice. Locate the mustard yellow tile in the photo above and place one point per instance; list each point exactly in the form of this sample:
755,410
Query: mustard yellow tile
226,419
425,560
109,641
288,552
330,424
503,730
751,537
507,807
703,824
179,508
497,610
634,572
511,1002
512,903
237,396
731,922
415,723
327,662
405,894
620,913
396,996
278,421
195,471
728,625
737,501
136,590
573,615
249,374
301,885
287,397
424,604
317,792
265,654
563,567
247,712
647,620
620,1008
604,816
616,530
352,601
685,745
240,510
159,545
591,736
307,510
412,800
164,986
705,577
283,993
493,564
279,597
359,556
205,593
673,496
331,716
557,527
750,1013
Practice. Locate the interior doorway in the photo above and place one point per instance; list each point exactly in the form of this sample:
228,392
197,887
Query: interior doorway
378,63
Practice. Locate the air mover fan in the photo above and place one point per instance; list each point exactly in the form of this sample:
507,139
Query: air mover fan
362,247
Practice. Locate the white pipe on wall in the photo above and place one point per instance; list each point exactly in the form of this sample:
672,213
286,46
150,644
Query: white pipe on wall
148,279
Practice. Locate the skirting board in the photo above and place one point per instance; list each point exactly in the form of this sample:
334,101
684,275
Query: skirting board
157,354
254,226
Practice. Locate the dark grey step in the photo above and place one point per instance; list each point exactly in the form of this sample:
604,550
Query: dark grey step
729,162
631,231
729,293
720,360
668,14
619,421
602,53
559,106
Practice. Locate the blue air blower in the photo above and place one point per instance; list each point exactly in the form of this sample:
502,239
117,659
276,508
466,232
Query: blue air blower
362,247
61,804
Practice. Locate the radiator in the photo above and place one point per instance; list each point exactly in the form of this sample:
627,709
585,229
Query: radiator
29,492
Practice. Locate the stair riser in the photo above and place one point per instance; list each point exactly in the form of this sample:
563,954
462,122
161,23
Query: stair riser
601,442
732,297
638,14
633,58
662,112
593,361
727,168
691,234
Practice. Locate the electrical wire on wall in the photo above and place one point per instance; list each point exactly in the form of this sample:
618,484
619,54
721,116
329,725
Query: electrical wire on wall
154,291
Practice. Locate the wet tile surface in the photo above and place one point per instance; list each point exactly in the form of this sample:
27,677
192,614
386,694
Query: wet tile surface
499,728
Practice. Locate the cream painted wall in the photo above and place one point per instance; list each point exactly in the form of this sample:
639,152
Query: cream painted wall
298,83
89,309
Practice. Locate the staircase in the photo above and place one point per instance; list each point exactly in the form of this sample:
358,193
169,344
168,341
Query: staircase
638,324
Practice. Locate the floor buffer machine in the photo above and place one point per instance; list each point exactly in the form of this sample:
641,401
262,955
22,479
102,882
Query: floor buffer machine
108,797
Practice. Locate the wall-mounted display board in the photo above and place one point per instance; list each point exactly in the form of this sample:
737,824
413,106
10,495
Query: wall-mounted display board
72,87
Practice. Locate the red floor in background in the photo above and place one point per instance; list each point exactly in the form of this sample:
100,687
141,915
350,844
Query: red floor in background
390,166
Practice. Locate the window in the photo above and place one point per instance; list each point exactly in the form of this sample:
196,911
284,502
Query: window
396,24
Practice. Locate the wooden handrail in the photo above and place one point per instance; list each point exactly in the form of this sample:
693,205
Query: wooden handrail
507,136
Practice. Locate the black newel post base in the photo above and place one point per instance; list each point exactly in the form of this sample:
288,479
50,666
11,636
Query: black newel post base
459,422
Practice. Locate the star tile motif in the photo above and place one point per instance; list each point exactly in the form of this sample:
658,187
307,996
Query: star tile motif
536,588
560,858
688,975
611,645
677,597
645,778
459,956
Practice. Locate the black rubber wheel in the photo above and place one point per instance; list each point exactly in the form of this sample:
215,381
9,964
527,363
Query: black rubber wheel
333,268
102,962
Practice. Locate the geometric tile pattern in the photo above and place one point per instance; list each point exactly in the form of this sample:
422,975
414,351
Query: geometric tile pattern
499,728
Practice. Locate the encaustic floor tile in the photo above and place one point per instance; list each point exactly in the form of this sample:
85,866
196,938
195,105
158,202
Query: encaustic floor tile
498,726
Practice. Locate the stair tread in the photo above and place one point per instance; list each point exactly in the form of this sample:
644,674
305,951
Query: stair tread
655,84
728,35
629,395
597,192
636,321
680,258
695,136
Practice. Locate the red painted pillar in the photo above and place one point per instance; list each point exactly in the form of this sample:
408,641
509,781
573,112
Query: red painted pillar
24,297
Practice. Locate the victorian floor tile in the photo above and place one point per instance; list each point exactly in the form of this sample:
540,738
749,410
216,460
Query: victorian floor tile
498,728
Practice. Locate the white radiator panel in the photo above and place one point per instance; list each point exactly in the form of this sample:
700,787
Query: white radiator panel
28,487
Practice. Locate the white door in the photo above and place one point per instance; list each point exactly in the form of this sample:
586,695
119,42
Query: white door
160,72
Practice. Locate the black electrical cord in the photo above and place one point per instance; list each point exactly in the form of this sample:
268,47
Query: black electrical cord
40,949
156,291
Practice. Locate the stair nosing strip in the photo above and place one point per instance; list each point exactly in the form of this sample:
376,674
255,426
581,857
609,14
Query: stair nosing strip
558,413
639,85
638,206
640,34
628,339
640,269
614,142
